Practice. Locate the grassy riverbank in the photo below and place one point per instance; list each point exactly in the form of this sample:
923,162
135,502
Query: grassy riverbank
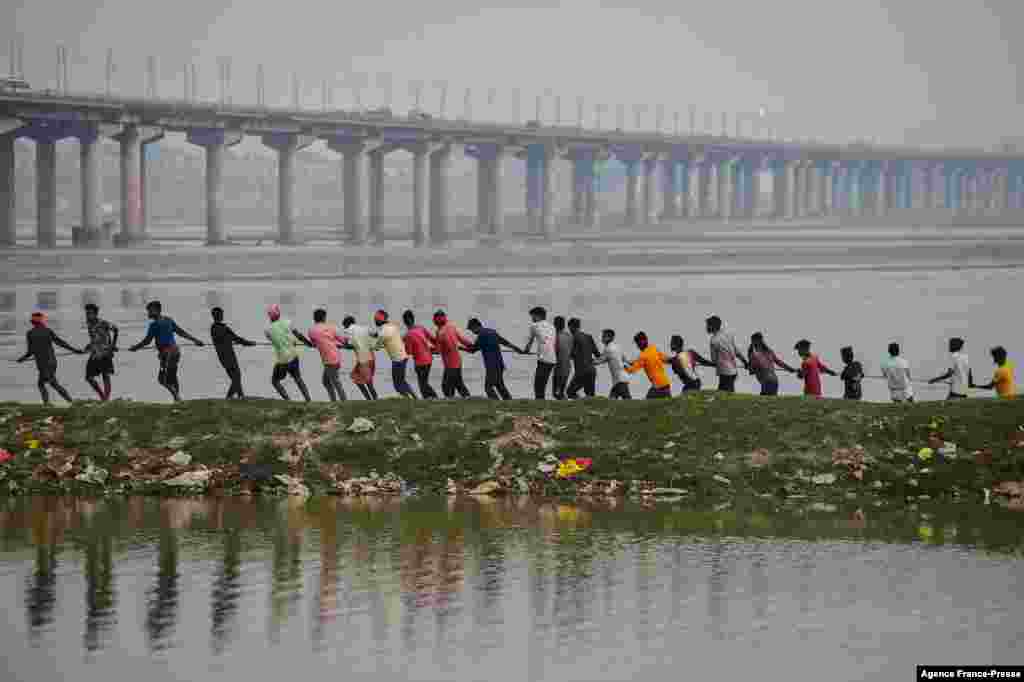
706,448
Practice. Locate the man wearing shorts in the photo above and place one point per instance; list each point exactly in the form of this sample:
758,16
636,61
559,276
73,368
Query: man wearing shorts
101,348
162,330
282,337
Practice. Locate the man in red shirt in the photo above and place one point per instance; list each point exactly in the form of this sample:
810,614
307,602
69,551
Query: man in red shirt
449,340
421,345
811,368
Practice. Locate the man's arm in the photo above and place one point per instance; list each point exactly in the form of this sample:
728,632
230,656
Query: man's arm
235,338
28,350
701,360
146,341
64,344
739,353
942,377
306,342
826,370
779,363
113,341
502,341
188,336
529,342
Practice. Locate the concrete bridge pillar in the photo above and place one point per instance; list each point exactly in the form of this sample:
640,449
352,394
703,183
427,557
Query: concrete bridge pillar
669,189
376,195
779,188
147,137
440,162
130,139
578,200
534,157
353,174
286,145
632,185
695,203
828,185
709,189
46,194
590,208
683,188
8,216
739,186
799,189
420,234
725,189
650,189
214,142
490,213
754,188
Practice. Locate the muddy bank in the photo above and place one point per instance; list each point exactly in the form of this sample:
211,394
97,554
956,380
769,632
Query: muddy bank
707,448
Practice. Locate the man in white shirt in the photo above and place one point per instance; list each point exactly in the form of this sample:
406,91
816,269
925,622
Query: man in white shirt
959,374
363,341
616,361
543,334
896,371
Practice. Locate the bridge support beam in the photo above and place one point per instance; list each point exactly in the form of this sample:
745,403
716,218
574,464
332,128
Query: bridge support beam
89,166
8,216
46,194
695,206
547,195
146,138
632,214
440,161
671,203
214,142
286,145
490,213
376,195
353,170
650,209
590,209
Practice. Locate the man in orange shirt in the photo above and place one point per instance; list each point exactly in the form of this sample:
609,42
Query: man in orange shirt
1002,380
653,362
450,340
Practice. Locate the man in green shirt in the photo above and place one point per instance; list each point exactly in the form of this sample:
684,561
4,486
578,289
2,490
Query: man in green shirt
286,356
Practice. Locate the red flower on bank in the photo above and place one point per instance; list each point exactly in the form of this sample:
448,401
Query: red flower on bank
5,456
584,462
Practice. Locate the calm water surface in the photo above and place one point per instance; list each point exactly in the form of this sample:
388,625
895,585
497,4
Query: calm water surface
507,589
919,309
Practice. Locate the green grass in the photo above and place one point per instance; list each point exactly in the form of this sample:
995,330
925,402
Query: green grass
674,443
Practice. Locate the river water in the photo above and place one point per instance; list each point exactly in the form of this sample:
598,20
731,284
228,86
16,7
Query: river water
503,590
919,297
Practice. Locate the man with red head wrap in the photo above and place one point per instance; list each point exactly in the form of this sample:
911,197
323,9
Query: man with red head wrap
40,341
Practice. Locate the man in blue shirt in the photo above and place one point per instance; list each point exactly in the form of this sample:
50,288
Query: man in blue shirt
162,330
489,343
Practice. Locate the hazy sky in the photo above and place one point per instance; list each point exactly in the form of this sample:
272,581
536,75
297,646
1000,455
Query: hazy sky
899,70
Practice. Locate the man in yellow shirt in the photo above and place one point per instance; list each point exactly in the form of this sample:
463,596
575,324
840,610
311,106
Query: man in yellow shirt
652,362
390,339
1002,379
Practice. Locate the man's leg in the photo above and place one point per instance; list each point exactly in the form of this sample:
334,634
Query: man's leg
329,383
540,379
60,389
280,372
490,383
558,382
460,385
235,374
41,383
447,388
501,387
423,377
168,376
108,387
590,384
296,374
366,393
727,383
398,378
95,385
573,389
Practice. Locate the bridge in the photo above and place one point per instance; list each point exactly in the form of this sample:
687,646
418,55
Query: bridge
668,177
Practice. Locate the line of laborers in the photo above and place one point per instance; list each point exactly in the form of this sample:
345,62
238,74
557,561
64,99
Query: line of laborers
559,348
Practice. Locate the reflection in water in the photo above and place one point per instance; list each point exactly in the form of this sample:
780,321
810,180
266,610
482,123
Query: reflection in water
226,591
100,597
162,611
286,590
555,584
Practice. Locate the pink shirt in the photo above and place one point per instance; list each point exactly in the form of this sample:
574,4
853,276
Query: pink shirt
420,343
326,339
448,339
